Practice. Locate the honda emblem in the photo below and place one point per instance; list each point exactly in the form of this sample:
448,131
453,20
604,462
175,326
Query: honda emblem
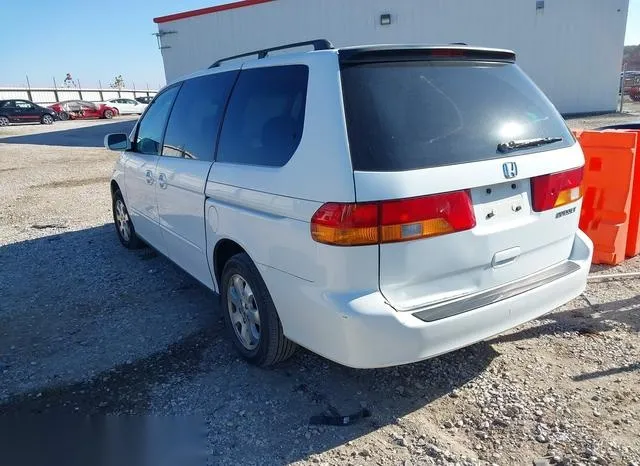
510,170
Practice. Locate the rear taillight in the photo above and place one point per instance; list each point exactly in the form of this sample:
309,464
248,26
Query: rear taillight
556,189
345,224
392,221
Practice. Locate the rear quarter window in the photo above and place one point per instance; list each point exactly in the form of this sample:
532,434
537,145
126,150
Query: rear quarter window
413,115
265,117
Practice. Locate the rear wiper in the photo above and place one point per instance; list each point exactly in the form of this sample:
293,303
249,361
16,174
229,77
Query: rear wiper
524,143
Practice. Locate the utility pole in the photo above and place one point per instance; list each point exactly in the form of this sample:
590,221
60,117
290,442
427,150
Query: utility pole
28,87
624,72
55,88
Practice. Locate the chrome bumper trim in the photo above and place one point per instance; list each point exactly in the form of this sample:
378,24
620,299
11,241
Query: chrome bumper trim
484,298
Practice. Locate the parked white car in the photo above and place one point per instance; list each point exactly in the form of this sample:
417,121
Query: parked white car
127,106
377,205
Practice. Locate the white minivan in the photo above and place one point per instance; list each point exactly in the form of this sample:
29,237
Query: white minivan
377,205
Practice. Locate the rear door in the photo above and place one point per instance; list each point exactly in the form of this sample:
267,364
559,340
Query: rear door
187,155
27,112
141,170
437,126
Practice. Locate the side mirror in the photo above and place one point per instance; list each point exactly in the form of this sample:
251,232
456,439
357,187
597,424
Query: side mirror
117,142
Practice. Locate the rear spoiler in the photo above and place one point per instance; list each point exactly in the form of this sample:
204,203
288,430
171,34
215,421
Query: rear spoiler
392,53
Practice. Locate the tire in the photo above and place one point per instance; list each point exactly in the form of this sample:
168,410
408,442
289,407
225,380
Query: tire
4,121
46,119
108,114
124,226
271,346
64,116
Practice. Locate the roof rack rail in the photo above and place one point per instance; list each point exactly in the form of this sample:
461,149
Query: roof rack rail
458,43
318,44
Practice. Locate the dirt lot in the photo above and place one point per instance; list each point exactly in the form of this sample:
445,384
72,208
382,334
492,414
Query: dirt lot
87,327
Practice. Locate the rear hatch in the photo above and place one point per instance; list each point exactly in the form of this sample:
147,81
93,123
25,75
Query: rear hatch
474,173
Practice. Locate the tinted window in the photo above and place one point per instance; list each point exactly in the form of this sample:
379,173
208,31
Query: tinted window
7,104
265,118
194,124
151,127
404,116
23,104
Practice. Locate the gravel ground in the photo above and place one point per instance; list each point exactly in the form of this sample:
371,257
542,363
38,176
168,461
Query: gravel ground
87,327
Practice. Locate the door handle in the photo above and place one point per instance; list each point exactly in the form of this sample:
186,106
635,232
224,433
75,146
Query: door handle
162,181
149,177
505,257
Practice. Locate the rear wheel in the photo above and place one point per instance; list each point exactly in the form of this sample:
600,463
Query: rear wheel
124,226
250,315
64,116
108,114
4,121
46,119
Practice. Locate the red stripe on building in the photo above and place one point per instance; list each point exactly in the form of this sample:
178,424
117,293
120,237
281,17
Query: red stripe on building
206,11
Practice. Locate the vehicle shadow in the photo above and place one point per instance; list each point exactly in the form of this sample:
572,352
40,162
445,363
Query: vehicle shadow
88,327
87,136
590,319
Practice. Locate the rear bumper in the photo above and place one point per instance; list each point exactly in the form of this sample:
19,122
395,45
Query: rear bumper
362,330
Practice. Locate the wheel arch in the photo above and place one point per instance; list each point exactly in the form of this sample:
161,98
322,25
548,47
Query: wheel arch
114,187
224,250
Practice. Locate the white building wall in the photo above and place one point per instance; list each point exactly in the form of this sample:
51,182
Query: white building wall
572,48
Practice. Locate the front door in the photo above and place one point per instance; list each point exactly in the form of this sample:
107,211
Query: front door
187,157
10,111
141,170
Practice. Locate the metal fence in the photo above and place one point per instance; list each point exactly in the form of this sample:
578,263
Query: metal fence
49,95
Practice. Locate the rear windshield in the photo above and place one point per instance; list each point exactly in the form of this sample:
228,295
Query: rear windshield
412,115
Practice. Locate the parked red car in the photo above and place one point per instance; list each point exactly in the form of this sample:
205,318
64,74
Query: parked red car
76,109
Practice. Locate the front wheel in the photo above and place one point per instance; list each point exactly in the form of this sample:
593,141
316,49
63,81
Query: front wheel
64,116
46,119
250,315
108,114
124,226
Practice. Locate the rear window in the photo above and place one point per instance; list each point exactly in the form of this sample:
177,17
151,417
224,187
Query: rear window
265,117
412,115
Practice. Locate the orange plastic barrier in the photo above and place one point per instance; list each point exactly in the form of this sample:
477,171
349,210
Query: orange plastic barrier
607,187
633,235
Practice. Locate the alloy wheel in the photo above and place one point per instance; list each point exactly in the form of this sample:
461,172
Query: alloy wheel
122,219
243,311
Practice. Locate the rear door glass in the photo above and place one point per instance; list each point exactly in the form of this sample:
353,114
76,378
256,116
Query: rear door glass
193,127
413,115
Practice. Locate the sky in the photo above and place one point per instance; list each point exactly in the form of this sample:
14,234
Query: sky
95,44
94,41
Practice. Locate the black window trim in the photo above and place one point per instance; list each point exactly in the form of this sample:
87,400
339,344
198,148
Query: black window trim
224,113
164,130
